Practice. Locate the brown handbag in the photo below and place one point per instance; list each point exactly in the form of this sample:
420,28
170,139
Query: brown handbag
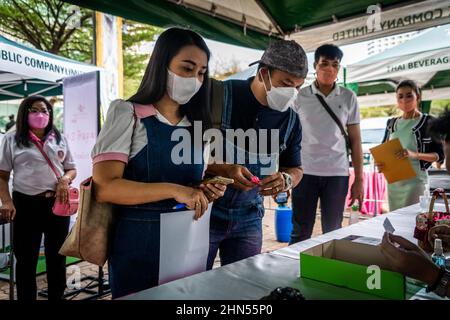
88,239
425,221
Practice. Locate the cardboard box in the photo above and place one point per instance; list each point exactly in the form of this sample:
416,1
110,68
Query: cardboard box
345,263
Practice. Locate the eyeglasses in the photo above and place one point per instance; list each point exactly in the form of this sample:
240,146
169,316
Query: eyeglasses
32,110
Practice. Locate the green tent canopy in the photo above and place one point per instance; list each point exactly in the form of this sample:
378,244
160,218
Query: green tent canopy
26,71
13,86
254,23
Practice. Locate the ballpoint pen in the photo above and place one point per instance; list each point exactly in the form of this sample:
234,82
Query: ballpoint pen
179,206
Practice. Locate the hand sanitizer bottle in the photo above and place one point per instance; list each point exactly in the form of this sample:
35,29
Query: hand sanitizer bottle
354,214
438,255
425,199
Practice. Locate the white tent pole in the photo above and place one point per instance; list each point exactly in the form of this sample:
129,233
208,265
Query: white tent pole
47,89
9,84
7,93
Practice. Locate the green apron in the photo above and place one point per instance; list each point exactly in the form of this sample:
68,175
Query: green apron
405,193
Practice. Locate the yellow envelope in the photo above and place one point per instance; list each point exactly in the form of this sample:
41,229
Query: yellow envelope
394,169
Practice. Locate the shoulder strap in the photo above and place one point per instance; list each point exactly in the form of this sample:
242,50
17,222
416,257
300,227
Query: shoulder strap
289,128
216,98
389,128
134,124
47,158
336,119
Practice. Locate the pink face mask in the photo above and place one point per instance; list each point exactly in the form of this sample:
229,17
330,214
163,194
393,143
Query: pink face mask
38,120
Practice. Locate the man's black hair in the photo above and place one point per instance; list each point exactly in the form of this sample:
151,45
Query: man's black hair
329,51
440,127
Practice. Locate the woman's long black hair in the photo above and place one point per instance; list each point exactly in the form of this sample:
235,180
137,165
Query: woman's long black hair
22,127
153,84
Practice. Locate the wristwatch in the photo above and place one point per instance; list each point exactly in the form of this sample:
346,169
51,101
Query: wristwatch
287,181
440,287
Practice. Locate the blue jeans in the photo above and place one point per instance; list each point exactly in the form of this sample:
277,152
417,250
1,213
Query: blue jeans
331,191
134,257
235,239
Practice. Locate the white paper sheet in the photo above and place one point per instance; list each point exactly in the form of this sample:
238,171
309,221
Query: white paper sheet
184,244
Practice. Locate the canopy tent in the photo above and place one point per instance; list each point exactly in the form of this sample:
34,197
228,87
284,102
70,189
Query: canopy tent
253,23
425,59
25,71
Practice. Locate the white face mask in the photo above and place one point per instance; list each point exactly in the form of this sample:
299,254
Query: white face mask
281,98
181,89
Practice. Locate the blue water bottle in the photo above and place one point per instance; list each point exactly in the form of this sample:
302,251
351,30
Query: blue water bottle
283,218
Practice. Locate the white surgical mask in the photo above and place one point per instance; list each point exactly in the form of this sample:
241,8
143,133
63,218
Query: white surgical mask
281,98
181,89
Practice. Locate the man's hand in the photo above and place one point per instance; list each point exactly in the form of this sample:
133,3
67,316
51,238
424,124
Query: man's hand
242,177
357,192
272,185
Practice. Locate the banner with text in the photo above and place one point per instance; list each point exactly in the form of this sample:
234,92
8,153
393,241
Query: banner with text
420,66
31,63
376,23
81,105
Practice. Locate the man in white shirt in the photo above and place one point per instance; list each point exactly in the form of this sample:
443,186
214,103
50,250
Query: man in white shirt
324,148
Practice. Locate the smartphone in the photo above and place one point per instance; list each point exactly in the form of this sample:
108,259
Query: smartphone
218,180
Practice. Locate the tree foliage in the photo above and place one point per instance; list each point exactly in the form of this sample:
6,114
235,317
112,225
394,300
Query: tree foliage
136,43
49,25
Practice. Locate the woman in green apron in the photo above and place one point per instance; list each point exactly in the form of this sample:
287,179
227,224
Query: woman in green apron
411,128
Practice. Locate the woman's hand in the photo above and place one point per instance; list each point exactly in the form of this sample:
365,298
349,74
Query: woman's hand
62,190
405,154
213,191
7,211
193,198
380,166
405,257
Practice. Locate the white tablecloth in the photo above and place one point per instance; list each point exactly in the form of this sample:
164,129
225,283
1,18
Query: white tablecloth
257,276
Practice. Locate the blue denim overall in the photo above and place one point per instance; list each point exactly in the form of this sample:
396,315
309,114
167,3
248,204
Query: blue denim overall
236,218
135,252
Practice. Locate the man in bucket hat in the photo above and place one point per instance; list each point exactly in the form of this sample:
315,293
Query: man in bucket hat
260,103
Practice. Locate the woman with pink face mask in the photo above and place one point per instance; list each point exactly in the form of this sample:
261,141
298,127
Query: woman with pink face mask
411,128
35,188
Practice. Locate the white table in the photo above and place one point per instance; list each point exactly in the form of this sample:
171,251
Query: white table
255,277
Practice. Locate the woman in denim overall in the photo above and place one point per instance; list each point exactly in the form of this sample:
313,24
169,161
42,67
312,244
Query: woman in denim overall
151,182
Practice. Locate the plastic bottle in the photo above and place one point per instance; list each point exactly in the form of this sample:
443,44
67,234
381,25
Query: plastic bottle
425,199
438,255
281,199
283,218
354,214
